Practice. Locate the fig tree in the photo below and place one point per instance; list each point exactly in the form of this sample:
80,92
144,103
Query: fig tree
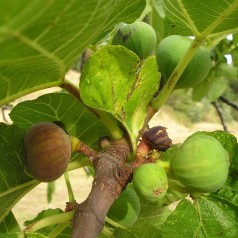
48,151
170,51
201,163
138,37
150,181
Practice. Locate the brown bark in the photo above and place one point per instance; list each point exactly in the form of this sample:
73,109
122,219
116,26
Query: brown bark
111,177
220,114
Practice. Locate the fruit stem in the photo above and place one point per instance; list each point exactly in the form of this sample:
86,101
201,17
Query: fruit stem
111,124
51,220
78,146
58,229
158,101
115,224
108,120
106,232
78,164
69,187
165,165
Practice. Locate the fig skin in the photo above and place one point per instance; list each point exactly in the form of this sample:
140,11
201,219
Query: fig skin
138,37
201,164
170,51
48,151
150,181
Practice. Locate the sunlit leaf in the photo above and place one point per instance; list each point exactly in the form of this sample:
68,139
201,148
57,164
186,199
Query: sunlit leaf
9,224
41,39
185,17
125,210
62,107
116,81
14,179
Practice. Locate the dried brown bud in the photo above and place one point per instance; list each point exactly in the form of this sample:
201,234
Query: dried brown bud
157,138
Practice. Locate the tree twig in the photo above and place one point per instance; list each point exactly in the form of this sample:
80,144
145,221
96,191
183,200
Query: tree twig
111,177
228,102
220,114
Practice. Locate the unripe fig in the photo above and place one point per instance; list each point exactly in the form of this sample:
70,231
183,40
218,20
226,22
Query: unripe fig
150,181
169,53
138,37
48,151
201,164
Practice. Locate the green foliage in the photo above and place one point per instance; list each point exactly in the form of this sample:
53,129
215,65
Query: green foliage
9,224
126,95
50,42
203,220
125,210
40,41
46,214
187,111
13,162
78,120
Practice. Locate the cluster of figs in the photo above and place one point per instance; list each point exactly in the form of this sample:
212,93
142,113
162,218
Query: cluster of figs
141,38
200,164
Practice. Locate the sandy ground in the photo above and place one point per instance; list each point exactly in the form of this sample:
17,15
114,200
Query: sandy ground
36,200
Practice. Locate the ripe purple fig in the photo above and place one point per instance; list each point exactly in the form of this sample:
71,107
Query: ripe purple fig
48,151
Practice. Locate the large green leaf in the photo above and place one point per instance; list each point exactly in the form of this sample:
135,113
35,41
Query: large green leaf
12,235
9,224
205,217
212,87
14,180
50,213
186,17
152,216
41,39
125,210
115,80
183,222
119,233
63,107
228,193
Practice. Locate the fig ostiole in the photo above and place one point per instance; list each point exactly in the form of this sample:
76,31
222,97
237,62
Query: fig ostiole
138,37
48,151
201,164
150,181
170,51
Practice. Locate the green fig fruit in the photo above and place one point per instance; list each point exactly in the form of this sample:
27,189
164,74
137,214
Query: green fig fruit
201,164
138,37
150,181
170,51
